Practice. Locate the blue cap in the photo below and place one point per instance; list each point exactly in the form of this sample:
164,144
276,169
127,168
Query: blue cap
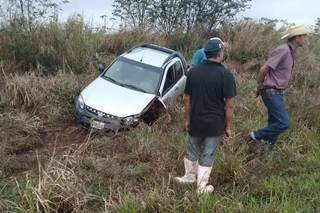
213,45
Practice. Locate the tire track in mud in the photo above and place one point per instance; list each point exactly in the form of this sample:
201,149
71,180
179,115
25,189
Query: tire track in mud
54,139
62,137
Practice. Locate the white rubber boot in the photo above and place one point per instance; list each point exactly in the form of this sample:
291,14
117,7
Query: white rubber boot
203,178
190,172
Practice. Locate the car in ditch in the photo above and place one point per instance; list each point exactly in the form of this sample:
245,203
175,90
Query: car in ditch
136,87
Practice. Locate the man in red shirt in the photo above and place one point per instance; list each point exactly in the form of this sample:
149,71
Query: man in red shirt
273,79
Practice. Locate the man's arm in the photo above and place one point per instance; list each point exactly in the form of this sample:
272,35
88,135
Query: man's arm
229,114
262,75
186,100
271,64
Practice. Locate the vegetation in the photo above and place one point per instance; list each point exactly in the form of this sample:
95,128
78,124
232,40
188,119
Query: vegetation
169,16
48,164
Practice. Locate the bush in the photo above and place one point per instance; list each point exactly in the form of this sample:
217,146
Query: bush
49,97
50,47
250,40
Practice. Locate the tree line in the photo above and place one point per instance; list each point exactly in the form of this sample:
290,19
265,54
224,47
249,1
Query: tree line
169,15
160,15
28,13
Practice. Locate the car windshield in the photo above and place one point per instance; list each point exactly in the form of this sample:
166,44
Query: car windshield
134,75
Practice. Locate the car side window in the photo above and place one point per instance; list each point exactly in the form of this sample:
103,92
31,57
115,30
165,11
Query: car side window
178,70
169,80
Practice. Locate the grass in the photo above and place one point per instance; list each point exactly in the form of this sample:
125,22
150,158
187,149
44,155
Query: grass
48,165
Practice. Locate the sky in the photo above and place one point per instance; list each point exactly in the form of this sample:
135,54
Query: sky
294,11
92,10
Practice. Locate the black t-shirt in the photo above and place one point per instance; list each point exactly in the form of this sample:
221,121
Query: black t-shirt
208,84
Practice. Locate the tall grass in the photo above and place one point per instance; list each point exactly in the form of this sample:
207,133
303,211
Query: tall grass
41,95
58,189
73,45
70,46
250,40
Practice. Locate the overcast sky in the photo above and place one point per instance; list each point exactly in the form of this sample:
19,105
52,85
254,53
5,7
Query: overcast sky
294,11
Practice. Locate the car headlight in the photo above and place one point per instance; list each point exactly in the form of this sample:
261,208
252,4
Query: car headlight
81,103
130,120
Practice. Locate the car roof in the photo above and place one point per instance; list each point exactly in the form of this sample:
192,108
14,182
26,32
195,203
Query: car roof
147,55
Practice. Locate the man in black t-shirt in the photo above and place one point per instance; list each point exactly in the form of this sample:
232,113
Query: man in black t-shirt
209,93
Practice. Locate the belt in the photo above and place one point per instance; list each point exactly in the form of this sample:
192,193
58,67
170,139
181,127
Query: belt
273,90
271,87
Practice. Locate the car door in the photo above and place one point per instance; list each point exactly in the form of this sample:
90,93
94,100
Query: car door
180,78
173,82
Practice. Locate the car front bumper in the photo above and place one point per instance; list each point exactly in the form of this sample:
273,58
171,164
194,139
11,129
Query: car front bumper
85,117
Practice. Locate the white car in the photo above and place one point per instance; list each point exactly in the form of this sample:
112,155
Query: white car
137,86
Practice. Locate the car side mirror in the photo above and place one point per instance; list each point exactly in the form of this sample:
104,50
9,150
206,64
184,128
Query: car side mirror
101,68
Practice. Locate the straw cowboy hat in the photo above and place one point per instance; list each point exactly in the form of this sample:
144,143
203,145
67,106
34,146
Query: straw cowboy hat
295,31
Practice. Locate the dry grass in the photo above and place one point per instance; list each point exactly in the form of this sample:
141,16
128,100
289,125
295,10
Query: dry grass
19,132
251,42
50,97
58,188
19,127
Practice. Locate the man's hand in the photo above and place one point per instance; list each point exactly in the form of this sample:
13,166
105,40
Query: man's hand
258,90
226,45
227,132
226,146
187,126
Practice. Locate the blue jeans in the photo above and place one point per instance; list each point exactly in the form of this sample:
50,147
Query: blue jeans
278,117
202,149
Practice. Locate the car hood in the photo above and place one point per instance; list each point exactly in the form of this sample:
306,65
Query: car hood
113,99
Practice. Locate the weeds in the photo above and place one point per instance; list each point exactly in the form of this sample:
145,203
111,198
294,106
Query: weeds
18,132
51,96
58,188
